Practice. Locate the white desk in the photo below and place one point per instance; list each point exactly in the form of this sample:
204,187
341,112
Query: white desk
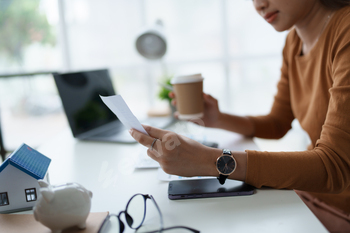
107,170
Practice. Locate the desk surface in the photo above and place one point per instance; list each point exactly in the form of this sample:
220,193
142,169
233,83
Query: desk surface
107,169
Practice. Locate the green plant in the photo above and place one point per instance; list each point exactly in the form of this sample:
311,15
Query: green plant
163,93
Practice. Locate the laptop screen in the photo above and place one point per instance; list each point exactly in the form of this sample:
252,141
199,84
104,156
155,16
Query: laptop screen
82,104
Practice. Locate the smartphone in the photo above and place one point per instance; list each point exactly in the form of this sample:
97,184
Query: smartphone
204,188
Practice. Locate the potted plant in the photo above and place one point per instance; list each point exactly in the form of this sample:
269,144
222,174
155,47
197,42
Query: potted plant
165,89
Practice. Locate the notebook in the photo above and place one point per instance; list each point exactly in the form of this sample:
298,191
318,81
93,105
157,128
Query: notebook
89,118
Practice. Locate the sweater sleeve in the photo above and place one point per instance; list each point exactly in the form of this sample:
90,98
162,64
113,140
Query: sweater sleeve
278,122
326,168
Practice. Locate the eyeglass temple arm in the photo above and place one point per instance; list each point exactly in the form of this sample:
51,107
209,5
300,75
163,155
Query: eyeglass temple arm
174,227
187,228
161,218
160,213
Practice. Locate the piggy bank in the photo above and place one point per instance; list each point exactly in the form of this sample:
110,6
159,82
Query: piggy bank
62,206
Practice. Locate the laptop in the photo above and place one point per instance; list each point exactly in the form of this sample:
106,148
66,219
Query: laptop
89,118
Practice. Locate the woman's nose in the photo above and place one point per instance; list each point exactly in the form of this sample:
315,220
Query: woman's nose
260,5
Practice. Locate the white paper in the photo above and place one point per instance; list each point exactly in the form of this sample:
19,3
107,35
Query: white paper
166,177
118,106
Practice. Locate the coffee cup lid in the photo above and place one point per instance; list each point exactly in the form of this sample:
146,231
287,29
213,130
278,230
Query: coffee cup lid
187,79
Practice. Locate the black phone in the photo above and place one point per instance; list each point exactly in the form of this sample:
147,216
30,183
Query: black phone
203,188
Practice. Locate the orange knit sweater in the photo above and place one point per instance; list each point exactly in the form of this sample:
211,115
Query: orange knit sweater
315,89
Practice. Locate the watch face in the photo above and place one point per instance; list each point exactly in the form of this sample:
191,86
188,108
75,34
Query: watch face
226,164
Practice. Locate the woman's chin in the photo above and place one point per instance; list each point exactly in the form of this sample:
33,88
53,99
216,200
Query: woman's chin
281,29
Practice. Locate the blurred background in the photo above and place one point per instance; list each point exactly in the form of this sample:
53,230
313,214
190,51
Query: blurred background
237,52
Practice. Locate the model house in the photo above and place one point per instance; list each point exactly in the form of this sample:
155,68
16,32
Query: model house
19,175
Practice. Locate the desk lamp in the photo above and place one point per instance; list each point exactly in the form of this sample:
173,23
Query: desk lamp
151,42
152,45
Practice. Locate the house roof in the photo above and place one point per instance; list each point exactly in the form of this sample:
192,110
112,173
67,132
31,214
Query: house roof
29,161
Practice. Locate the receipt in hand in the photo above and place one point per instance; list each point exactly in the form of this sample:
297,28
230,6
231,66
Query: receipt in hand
118,106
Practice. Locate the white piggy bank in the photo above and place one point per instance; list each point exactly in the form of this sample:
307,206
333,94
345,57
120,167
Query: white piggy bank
62,206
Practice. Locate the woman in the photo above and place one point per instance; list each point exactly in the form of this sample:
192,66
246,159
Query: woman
314,88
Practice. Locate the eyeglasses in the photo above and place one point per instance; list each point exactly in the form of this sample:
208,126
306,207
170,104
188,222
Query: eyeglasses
135,213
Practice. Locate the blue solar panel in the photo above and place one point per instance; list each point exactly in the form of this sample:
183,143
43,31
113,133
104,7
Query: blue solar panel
29,161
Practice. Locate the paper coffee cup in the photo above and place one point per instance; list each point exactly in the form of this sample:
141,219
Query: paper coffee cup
189,96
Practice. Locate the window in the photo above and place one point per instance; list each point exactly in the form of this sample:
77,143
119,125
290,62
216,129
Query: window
29,36
30,43
232,46
30,194
4,200
31,106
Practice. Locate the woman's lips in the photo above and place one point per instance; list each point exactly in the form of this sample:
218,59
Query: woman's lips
270,17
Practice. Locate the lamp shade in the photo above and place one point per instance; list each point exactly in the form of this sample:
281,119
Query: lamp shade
151,43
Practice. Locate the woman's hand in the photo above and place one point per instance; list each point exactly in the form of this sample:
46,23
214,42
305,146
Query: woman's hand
211,111
213,118
177,154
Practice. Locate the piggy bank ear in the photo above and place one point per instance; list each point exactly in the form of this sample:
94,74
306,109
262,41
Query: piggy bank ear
43,183
47,194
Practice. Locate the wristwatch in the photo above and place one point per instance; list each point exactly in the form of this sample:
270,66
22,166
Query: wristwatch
226,165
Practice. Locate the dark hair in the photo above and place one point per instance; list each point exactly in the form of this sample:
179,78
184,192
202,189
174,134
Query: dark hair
335,4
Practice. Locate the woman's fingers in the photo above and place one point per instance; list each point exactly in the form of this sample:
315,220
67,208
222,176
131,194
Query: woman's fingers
151,141
153,154
143,139
197,121
155,132
171,95
209,99
176,115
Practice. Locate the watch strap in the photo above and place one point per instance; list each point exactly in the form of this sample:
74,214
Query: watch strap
222,178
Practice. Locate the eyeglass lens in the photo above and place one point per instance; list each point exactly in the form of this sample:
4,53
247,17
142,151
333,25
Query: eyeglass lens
136,211
134,215
111,224
153,224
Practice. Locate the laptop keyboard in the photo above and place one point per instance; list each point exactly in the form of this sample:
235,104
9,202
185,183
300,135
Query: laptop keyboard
110,132
115,129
